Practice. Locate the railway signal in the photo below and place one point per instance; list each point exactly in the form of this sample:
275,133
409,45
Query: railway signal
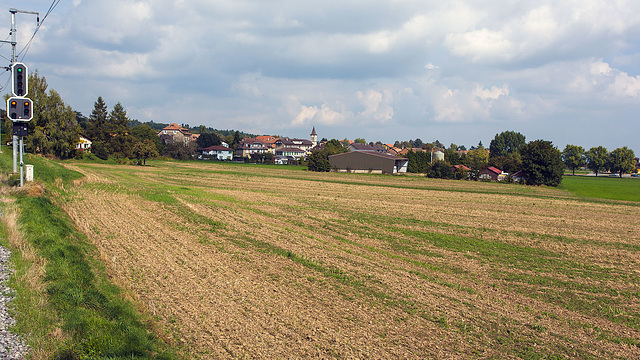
20,78
20,109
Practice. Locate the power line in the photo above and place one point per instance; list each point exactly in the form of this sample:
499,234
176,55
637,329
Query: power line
25,50
5,41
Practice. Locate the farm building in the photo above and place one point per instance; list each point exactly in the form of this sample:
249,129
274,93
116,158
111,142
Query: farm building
517,176
492,173
368,162
455,168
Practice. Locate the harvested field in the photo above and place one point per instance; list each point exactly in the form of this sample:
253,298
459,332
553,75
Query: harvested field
267,262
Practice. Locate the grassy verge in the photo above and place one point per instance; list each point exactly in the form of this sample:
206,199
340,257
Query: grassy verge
603,187
65,306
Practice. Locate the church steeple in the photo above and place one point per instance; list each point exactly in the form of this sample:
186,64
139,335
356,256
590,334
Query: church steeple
314,136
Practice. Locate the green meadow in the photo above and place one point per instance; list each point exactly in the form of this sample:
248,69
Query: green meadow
603,187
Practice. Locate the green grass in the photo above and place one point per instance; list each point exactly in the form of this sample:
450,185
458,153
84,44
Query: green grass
90,309
601,187
77,298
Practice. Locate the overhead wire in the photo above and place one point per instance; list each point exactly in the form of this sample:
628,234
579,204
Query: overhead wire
2,44
25,50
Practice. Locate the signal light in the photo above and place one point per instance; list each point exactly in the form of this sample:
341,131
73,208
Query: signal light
20,77
19,109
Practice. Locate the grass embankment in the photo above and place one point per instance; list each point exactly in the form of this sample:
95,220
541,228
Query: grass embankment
603,187
65,305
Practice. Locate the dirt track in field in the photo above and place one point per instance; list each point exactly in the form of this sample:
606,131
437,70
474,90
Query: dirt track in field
269,263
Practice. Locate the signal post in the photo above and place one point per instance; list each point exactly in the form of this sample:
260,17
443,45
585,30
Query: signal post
20,111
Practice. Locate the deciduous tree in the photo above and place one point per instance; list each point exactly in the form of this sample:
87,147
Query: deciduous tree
573,157
597,159
505,143
144,150
208,139
541,163
419,162
319,159
476,160
621,160
145,132
440,170
53,129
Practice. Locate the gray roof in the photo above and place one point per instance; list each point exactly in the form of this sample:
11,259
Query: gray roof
377,154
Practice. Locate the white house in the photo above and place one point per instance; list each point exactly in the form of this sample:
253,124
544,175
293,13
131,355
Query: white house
290,151
219,152
84,144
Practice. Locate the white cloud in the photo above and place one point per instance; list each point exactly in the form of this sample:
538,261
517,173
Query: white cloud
378,66
323,115
480,45
377,107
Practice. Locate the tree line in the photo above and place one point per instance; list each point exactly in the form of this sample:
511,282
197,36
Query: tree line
509,151
598,159
541,163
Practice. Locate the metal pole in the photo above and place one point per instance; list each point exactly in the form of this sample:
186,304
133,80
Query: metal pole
21,164
13,60
15,154
13,35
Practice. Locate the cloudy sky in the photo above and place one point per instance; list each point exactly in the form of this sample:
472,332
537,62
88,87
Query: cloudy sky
457,71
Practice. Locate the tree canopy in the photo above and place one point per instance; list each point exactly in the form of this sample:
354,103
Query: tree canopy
319,159
505,143
419,162
53,129
542,163
597,159
573,157
476,159
621,160
207,139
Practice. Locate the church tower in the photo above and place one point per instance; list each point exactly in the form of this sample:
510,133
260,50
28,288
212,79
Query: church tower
314,136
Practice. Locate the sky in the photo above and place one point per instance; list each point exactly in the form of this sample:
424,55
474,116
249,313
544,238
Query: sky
458,71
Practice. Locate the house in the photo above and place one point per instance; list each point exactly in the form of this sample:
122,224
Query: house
302,144
517,176
84,144
284,160
405,151
293,152
219,152
368,162
455,168
492,173
268,142
250,146
175,133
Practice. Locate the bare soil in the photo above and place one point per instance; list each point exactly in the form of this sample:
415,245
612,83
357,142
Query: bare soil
268,263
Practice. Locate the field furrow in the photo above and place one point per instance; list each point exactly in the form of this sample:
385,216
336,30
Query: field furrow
266,262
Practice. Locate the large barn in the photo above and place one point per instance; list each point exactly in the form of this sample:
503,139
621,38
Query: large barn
368,162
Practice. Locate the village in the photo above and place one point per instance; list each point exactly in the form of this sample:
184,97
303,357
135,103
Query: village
360,158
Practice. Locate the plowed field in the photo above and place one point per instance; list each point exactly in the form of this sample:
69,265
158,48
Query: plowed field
267,262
